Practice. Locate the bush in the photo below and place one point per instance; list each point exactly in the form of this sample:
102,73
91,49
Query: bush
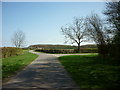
89,50
56,50
10,51
83,50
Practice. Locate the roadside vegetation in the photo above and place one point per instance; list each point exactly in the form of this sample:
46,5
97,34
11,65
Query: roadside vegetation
92,71
66,51
14,63
11,51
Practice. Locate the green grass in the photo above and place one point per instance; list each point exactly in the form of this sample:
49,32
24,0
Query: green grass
92,71
12,64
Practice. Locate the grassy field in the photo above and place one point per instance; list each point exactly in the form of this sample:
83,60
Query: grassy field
12,64
92,71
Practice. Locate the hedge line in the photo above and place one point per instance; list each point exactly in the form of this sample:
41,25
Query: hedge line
85,50
89,50
10,51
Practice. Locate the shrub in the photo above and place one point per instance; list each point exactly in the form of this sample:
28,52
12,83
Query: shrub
56,50
83,50
10,51
89,50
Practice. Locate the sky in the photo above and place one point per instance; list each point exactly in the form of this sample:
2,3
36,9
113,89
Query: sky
41,21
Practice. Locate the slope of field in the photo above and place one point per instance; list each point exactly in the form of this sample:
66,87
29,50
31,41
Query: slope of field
59,46
92,71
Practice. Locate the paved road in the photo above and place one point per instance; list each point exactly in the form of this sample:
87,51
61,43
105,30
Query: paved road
45,73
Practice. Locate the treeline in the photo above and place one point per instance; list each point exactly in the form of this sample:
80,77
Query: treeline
10,51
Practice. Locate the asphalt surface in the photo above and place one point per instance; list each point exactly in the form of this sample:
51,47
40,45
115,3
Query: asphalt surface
44,73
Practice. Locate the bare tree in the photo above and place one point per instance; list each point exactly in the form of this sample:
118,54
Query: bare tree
113,14
75,32
99,33
18,39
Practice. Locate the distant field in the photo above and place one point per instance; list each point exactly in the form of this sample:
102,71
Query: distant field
92,71
59,46
63,49
11,64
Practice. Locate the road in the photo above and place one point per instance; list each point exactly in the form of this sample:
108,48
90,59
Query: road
44,73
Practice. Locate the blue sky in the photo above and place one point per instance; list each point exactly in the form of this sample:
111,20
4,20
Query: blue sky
41,21
0,24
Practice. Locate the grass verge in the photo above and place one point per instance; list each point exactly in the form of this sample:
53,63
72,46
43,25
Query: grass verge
12,64
92,71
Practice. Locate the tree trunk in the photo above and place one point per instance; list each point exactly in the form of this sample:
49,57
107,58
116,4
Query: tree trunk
78,48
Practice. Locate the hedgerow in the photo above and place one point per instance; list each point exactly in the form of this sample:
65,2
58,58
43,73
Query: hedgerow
10,51
83,50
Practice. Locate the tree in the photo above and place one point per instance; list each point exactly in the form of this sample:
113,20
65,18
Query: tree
98,32
113,14
18,39
113,17
75,33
